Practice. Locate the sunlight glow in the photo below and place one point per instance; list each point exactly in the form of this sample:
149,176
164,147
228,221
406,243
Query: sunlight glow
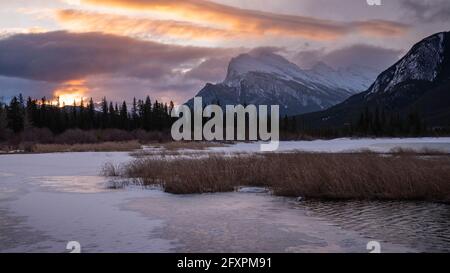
70,93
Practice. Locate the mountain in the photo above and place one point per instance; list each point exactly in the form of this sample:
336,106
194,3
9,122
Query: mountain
420,81
263,78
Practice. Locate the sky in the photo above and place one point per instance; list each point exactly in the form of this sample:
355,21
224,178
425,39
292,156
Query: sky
169,49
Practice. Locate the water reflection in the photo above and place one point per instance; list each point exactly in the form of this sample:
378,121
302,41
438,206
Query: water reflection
420,225
246,222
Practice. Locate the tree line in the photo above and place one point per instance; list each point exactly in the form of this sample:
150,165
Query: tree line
378,122
373,122
20,114
143,114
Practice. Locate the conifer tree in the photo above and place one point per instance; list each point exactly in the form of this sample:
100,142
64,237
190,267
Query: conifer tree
3,122
15,115
90,120
104,113
124,116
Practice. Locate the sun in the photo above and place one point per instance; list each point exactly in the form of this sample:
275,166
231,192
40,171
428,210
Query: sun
70,93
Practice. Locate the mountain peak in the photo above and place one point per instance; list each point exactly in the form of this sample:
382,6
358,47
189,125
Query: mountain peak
418,83
266,78
261,61
422,63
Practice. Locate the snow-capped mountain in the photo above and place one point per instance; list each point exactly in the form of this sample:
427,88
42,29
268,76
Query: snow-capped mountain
422,63
264,78
355,79
419,81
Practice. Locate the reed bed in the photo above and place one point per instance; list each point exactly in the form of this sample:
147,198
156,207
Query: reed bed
309,175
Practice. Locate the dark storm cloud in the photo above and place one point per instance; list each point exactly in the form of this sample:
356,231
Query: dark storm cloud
427,10
62,56
374,57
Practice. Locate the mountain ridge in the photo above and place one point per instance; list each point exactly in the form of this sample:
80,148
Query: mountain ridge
419,81
264,78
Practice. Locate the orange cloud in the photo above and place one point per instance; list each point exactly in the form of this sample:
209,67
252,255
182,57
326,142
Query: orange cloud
257,22
381,28
83,21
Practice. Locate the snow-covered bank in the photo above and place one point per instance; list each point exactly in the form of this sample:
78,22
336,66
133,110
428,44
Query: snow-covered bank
340,145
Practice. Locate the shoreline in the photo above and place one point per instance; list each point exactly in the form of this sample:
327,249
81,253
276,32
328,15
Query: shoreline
336,145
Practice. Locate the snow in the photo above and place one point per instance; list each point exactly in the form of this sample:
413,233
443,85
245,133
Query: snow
268,63
252,190
270,79
353,80
420,63
381,145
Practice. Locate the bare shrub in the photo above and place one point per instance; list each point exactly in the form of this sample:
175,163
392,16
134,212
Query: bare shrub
109,135
27,146
152,136
111,170
190,145
76,136
37,135
87,147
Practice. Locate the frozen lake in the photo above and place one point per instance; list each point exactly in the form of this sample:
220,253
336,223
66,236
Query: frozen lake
47,200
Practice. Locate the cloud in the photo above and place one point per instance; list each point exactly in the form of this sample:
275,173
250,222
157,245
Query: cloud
13,86
258,22
377,58
427,11
109,65
215,69
62,56
144,28
5,32
211,70
381,28
309,57
124,88
266,50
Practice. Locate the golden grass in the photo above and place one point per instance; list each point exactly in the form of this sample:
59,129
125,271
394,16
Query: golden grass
191,145
93,147
172,147
310,175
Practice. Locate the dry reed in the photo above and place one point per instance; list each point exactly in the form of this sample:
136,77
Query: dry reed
87,147
310,175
